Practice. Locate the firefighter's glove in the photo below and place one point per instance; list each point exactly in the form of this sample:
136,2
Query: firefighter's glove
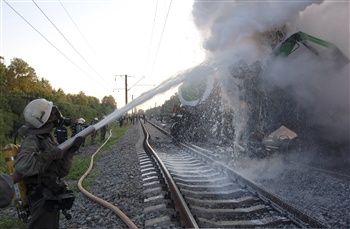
76,144
6,190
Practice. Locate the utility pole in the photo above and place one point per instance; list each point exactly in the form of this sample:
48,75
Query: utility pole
126,89
134,85
133,110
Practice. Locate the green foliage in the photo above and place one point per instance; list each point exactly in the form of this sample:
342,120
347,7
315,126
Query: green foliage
117,132
109,103
2,164
166,108
79,166
19,84
11,223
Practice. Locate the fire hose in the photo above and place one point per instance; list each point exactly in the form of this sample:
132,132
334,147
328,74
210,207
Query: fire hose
166,85
98,200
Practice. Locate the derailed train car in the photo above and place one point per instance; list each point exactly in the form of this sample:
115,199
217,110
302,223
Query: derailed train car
274,118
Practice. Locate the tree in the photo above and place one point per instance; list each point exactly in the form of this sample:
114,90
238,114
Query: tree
108,104
19,84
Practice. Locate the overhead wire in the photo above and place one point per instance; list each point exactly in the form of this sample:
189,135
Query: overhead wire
149,46
161,38
66,39
78,29
47,40
137,82
152,33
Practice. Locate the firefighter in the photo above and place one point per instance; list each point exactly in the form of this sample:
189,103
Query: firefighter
93,135
103,131
61,132
6,189
42,165
79,126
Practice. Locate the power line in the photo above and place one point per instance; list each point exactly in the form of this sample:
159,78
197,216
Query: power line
137,82
151,38
65,38
161,37
78,29
46,39
149,45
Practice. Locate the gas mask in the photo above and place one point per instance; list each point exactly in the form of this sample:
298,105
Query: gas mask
58,119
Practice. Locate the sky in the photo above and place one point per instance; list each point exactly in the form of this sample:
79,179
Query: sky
109,39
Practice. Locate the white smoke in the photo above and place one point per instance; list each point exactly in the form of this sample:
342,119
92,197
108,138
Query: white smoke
329,20
229,25
320,84
230,31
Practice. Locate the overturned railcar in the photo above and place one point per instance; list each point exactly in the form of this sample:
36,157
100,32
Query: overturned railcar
277,118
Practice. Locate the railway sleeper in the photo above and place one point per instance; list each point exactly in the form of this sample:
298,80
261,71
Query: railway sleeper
181,162
146,166
219,187
274,221
231,213
197,177
192,173
191,181
158,222
151,178
184,164
190,168
147,169
229,194
145,160
227,203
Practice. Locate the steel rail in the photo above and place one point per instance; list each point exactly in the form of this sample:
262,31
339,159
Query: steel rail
98,200
275,200
186,216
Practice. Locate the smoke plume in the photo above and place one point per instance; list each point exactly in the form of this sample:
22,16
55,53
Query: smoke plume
233,31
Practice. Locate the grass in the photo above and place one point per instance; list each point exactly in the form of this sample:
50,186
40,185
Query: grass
11,222
82,162
79,166
2,163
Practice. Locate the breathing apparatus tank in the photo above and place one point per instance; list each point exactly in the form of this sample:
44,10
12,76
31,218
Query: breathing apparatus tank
10,153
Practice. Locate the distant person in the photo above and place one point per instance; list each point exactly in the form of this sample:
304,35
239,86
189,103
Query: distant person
61,132
144,118
121,120
79,126
103,132
93,135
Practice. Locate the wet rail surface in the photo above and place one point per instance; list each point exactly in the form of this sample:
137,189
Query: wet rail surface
218,197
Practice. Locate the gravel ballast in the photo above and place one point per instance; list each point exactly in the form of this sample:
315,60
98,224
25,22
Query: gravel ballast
118,181
319,186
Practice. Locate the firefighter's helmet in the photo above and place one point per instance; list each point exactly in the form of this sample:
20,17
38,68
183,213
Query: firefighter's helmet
80,120
37,112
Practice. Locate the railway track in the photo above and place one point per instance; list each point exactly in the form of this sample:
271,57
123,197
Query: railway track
206,193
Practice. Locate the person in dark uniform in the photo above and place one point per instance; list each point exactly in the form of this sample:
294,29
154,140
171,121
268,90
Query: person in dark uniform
79,126
103,132
42,165
93,135
61,132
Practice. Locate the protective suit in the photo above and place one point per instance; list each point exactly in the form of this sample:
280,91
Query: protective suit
42,165
6,190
